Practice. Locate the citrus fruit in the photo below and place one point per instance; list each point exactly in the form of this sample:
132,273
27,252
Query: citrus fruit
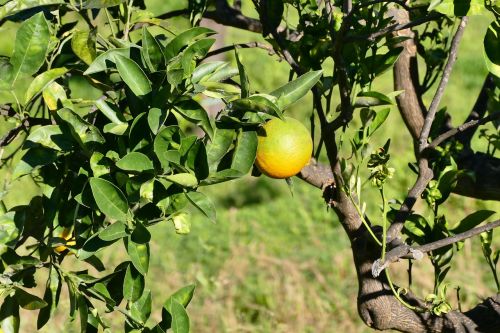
66,234
284,148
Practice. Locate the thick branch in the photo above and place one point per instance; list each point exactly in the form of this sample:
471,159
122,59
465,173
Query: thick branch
229,16
405,72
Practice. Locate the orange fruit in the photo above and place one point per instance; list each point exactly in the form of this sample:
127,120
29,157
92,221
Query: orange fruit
284,148
66,234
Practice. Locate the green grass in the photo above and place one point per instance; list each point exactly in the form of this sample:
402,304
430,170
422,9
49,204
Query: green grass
274,262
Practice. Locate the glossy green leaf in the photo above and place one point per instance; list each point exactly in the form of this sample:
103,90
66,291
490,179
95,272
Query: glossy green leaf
53,94
205,69
459,8
472,221
9,313
135,161
244,152
114,231
83,44
139,255
50,136
203,204
183,179
151,51
296,89
245,85
83,310
109,199
271,12
167,142
193,52
8,229
101,3
379,119
258,103
183,296
42,81
180,318
91,246
12,7
82,131
182,223
141,234
184,39
195,113
133,75
101,62
141,309
491,47
32,42
156,119
218,146
111,114
28,301
372,98
133,284
33,159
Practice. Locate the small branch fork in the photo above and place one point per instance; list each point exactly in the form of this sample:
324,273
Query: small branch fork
407,252
425,172
25,124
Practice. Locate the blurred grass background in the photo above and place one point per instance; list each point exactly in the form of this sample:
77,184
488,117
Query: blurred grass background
276,262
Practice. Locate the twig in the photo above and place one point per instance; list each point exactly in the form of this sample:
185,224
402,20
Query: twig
424,135
393,28
259,45
407,252
471,124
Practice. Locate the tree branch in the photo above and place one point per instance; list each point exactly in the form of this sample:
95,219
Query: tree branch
229,16
462,128
263,46
407,252
424,135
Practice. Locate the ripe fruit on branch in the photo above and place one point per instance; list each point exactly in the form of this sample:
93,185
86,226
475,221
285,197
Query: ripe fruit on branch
284,148
67,235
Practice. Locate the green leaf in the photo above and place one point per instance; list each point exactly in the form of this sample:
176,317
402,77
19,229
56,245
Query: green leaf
42,81
183,296
141,309
139,255
133,284
91,246
245,85
183,179
52,94
166,143
372,98
204,70
180,318
141,234
151,51
379,63
90,4
32,42
83,44
203,204
472,221
135,161
49,136
156,119
114,231
184,39
244,152
109,199
195,113
133,75
459,8
379,119
12,7
9,314
258,103
193,52
491,47
101,62
82,131
34,159
271,12
181,222
28,301
218,147
296,89
83,310
8,229
111,114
